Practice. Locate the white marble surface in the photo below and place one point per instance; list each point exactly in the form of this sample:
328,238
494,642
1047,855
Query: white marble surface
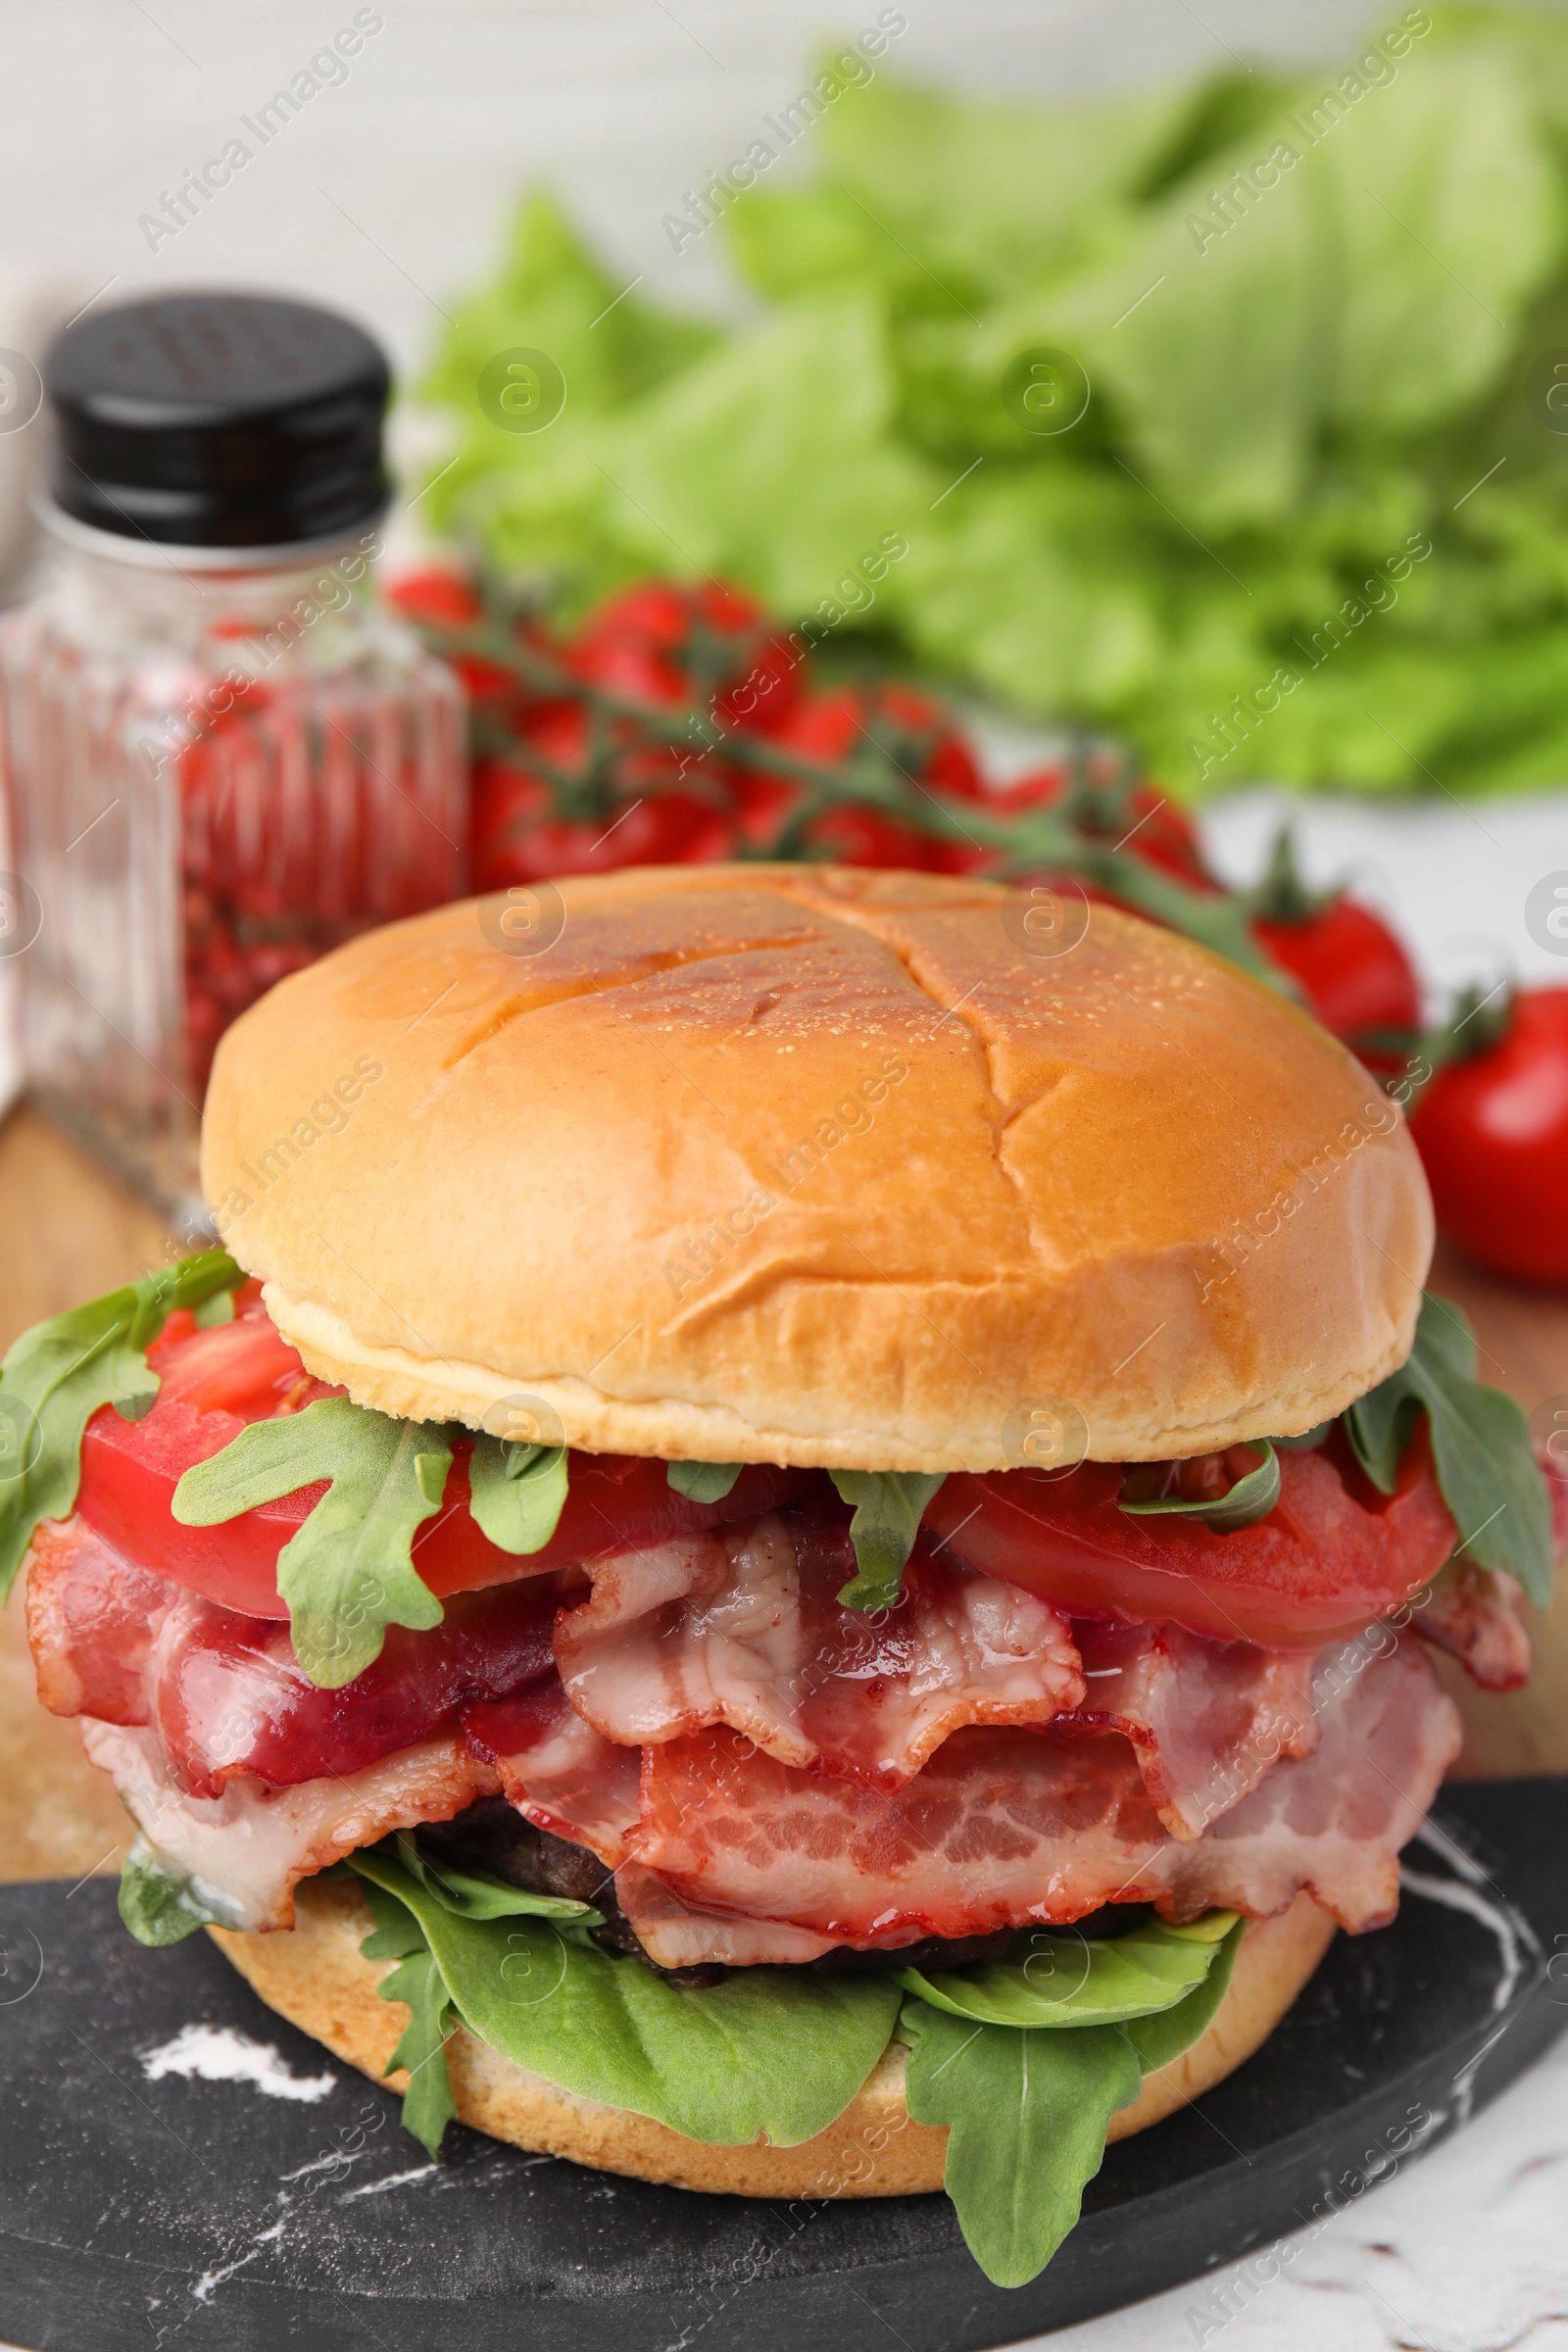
388,197
1463,2250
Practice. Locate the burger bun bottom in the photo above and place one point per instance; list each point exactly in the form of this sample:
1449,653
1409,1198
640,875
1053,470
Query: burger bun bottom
318,1980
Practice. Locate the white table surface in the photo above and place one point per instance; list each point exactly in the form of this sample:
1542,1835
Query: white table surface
387,198
1465,2250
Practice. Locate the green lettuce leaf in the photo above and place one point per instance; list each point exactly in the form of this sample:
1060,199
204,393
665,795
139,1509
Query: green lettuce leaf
348,1573
156,1902
704,1482
56,1376
1479,1445
947,200
768,2050
1292,373
889,1505
1066,1982
774,459
517,1493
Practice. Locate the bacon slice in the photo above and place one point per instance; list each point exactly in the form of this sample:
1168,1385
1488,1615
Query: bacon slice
92,1619
744,1628
1003,1826
1207,1719
245,1851
223,1692
1477,1615
558,1771
675,1936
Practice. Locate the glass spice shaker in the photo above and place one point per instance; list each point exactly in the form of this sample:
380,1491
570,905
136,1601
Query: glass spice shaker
222,756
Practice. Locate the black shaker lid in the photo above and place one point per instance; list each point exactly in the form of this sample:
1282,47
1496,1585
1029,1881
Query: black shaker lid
213,420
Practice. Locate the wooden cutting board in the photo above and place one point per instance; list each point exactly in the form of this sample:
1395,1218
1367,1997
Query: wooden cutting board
69,1231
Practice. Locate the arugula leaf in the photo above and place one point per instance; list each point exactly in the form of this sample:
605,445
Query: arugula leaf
517,1493
768,2050
1026,2101
1027,2114
56,1376
1480,1445
218,1309
477,1894
156,1902
1165,2034
1067,1982
348,1573
1027,2111
427,2103
889,1505
1251,1498
397,1933
704,1482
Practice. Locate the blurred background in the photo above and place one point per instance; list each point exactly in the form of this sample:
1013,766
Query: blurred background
1173,401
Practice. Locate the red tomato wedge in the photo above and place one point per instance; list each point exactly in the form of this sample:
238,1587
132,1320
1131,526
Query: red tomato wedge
214,1382
1332,1555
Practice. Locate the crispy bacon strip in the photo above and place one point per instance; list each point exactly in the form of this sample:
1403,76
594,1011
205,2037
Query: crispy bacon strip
224,1694
675,1936
245,1851
558,1770
744,1628
92,1620
1005,1826
1477,1615
1207,1719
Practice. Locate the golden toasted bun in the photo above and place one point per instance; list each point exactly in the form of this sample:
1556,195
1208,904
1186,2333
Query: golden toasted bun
818,1166
316,1978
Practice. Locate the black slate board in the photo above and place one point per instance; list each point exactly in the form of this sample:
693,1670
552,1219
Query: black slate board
202,2215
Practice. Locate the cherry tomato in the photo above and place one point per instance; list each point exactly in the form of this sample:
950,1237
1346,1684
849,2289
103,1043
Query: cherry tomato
914,732
828,730
1331,1557
436,599
649,804
671,647
1106,804
1352,971
1493,1134
214,1382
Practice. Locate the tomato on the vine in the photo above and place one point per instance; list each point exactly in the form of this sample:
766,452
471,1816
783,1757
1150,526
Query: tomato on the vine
908,728
640,804
669,647
1352,968
436,599
1354,973
1493,1131
889,722
1105,803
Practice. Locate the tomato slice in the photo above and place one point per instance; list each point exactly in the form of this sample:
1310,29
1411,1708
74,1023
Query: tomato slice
214,1382
1331,1557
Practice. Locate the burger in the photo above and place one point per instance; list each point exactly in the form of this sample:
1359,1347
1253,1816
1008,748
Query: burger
795,1544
